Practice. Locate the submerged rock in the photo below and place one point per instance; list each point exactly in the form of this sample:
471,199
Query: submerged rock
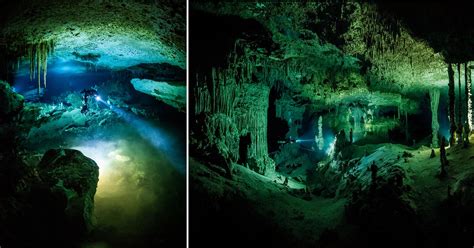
174,95
71,181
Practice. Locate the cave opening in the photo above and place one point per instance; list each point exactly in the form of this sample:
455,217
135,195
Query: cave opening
244,143
278,127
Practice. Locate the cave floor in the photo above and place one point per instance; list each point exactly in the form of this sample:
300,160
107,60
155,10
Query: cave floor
140,199
428,191
304,220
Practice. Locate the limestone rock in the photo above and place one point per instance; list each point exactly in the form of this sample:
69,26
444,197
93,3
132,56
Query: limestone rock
222,139
105,33
174,95
72,180
11,103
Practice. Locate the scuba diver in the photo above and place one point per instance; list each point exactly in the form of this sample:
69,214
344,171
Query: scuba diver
287,141
86,93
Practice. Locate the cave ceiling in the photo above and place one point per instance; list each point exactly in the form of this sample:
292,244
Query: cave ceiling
111,34
347,50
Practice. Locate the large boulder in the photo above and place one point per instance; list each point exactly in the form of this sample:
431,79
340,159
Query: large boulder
70,182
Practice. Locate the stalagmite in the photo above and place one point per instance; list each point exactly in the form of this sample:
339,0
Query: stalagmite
320,133
443,159
452,128
434,97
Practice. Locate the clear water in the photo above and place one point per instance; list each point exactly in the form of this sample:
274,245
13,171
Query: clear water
141,194
62,76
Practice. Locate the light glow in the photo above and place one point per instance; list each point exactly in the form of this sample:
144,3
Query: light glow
150,133
99,152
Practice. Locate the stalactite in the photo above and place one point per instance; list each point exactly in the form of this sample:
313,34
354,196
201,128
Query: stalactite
460,124
434,97
38,56
452,128
468,86
398,112
213,95
406,125
38,61
232,92
45,64
466,97
252,119
30,57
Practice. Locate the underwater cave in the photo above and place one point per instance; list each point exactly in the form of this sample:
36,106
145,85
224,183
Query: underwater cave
331,124
92,123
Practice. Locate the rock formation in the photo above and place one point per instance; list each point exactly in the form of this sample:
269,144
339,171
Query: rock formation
72,181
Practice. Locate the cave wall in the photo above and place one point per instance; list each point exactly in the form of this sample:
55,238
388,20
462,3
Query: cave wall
245,103
233,82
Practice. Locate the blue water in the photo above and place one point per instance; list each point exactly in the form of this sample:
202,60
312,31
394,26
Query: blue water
156,136
62,76
142,188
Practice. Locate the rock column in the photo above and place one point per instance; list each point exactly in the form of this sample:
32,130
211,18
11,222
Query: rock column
452,121
434,99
